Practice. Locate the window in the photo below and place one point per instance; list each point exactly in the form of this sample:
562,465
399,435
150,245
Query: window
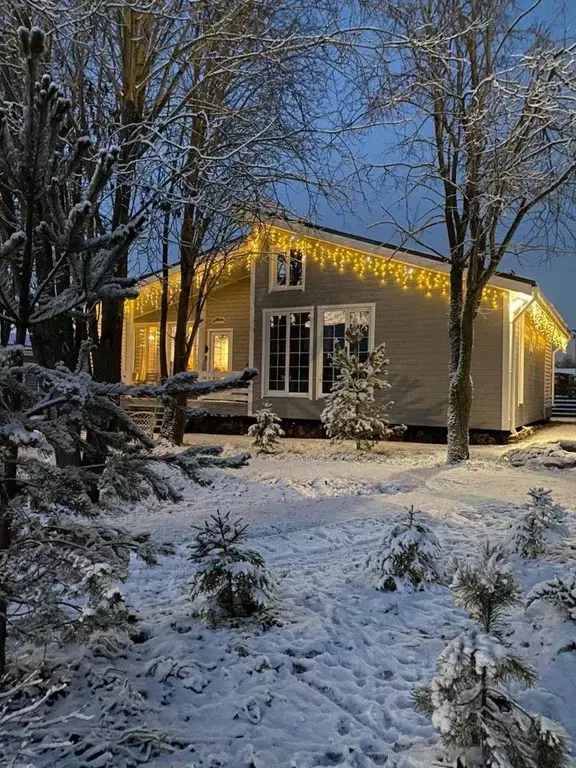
147,352
333,324
220,345
287,352
287,271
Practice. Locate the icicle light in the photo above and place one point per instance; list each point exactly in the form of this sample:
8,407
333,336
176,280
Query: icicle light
388,271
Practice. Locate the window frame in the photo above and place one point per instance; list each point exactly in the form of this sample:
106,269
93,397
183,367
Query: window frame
265,391
209,335
273,268
369,307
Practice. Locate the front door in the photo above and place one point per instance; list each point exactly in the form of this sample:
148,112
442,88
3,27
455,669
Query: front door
220,350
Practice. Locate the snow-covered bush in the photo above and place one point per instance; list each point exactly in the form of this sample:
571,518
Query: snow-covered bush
479,723
561,592
22,700
408,553
267,430
233,580
351,411
540,520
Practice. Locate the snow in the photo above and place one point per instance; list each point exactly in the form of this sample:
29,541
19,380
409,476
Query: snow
331,684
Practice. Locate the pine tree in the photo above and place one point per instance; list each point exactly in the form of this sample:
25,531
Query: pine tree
560,591
540,520
351,411
267,430
234,581
407,553
61,460
480,724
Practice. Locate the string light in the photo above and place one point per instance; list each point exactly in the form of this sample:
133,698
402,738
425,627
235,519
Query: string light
388,271
385,269
547,327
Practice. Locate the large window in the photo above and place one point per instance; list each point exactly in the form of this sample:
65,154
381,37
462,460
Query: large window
287,271
333,322
287,337
147,352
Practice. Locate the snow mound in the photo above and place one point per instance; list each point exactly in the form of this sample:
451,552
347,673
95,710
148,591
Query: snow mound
335,486
555,455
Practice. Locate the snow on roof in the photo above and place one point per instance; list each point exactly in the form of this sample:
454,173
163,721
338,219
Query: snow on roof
566,371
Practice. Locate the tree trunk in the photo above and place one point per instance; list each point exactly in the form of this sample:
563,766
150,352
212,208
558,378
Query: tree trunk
191,236
163,340
460,387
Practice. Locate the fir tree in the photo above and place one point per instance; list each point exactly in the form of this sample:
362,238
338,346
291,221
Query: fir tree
234,581
267,430
560,591
67,447
480,724
351,411
407,553
540,520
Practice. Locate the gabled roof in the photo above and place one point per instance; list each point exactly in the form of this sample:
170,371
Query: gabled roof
399,252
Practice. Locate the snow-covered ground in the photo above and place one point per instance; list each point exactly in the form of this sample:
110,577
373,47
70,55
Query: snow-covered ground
332,685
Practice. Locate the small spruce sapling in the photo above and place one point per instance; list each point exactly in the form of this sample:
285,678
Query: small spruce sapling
407,553
480,724
540,520
267,430
560,591
233,580
351,411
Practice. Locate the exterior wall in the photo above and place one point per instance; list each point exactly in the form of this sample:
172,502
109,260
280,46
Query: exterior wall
536,405
230,305
414,328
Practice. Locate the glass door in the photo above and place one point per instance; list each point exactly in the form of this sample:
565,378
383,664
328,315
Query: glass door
220,350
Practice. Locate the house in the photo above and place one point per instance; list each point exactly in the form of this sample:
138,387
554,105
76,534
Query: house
286,300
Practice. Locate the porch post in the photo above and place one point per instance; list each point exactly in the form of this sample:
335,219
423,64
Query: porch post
128,342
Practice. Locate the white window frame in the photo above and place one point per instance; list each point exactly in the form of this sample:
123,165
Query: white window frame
520,361
273,268
266,314
348,308
211,332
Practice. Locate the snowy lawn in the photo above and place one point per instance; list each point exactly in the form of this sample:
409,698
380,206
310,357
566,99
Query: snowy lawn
332,685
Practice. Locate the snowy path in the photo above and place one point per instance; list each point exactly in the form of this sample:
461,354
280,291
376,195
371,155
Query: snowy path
332,685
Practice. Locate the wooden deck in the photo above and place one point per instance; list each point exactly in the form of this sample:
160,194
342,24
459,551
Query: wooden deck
232,402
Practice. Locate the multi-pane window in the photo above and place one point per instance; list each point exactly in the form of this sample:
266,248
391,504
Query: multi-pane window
287,270
334,323
288,352
147,352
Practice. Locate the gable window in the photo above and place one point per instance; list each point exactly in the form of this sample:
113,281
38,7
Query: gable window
287,338
333,322
287,271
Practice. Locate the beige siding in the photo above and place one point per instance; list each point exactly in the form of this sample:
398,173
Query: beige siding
226,307
230,306
415,331
536,353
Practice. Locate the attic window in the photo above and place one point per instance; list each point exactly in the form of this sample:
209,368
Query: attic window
287,271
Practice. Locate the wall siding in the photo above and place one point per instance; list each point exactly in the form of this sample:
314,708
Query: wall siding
415,331
534,407
231,303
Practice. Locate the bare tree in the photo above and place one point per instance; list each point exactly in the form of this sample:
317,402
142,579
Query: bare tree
483,104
